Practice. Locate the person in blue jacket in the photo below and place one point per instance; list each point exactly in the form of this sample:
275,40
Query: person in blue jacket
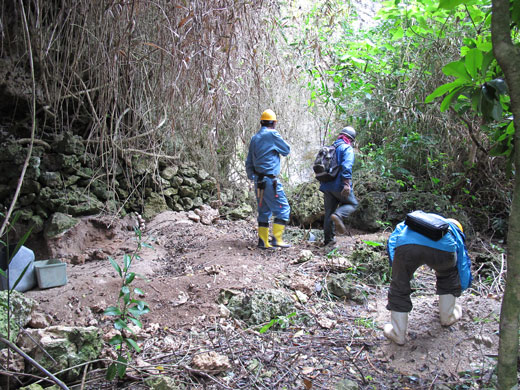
339,198
408,250
263,166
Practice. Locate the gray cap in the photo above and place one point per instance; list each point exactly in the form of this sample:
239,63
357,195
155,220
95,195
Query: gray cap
349,132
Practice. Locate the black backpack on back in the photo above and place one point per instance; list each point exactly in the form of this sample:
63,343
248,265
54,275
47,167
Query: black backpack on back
427,224
326,166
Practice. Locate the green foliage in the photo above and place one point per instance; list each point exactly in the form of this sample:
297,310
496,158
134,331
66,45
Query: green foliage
479,86
333,253
373,243
281,322
368,323
127,311
493,318
400,81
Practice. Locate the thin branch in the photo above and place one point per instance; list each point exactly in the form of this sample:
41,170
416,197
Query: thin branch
471,132
34,363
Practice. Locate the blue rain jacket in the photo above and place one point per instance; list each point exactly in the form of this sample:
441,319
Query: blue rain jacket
345,157
265,149
453,241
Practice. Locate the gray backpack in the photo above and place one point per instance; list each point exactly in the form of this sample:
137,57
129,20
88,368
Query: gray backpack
326,166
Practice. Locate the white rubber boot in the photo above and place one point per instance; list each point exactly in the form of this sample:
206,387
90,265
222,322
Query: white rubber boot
449,311
396,330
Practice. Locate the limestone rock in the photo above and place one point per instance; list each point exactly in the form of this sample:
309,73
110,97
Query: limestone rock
68,346
346,384
154,205
40,320
16,362
341,286
187,191
207,214
209,184
169,172
193,216
202,174
259,307
241,212
187,203
187,170
21,308
70,144
306,203
162,382
197,202
304,256
211,362
58,224
36,386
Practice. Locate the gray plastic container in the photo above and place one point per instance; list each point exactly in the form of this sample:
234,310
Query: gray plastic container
23,258
50,273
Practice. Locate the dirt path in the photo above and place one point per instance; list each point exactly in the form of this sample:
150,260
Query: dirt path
191,263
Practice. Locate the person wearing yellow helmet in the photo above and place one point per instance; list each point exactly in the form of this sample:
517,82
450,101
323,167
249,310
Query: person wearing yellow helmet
263,166
410,246
456,223
268,116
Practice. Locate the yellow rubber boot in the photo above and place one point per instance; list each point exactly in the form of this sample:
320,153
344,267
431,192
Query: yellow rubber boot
263,237
277,236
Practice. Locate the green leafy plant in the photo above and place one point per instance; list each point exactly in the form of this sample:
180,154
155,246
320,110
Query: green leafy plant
486,320
333,253
281,322
365,322
127,311
373,243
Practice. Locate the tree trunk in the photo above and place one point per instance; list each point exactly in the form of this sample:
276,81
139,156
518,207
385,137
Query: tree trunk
508,57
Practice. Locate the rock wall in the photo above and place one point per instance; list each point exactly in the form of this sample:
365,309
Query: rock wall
63,177
382,204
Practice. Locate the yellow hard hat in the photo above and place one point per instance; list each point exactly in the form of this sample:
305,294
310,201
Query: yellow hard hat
268,115
457,223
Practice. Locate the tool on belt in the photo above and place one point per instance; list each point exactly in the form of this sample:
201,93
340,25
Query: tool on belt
260,186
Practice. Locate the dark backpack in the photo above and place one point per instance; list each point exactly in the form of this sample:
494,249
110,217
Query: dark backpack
427,224
326,166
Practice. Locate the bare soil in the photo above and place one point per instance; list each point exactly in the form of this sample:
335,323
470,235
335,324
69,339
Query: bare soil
189,265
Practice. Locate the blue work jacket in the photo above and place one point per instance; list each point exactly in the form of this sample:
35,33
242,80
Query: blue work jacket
452,241
345,158
265,149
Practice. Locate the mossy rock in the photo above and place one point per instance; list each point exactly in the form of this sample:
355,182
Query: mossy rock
380,210
163,382
58,224
344,286
70,144
306,201
370,262
154,204
20,312
258,307
68,347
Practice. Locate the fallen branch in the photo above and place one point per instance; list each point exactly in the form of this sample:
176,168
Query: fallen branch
34,363
27,141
